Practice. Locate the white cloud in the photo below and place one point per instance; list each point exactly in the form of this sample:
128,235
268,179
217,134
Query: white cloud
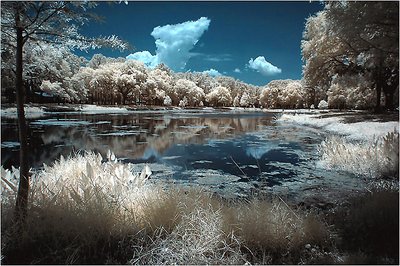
237,70
263,66
212,72
218,57
174,43
146,57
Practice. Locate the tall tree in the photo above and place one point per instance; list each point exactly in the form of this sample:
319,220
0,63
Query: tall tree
49,22
353,38
370,31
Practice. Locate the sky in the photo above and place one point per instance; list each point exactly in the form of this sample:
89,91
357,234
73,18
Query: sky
255,42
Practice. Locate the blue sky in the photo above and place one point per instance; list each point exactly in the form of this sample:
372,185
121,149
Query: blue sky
255,42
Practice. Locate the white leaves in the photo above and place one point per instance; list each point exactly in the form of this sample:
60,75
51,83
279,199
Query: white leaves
219,96
282,94
189,92
145,174
111,157
349,39
167,101
323,105
351,91
82,179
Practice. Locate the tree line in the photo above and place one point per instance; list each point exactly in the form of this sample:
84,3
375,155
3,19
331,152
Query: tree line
56,74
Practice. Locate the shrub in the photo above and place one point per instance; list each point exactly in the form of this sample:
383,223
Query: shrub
370,228
373,159
323,105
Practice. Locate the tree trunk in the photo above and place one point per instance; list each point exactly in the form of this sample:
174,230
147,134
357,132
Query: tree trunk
389,90
124,96
23,188
378,97
389,101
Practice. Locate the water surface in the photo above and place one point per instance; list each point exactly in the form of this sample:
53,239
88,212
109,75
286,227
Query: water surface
215,148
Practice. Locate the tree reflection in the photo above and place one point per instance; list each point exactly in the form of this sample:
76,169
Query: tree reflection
129,137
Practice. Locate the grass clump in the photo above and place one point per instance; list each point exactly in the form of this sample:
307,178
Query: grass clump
197,239
273,232
374,159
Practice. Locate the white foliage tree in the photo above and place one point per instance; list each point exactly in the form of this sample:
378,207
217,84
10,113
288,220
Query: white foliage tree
53,22
102,85
244,100
323,104
167,101
52,88
219,96
155,94
189,92
129,79
291,96
282,94
351,92
353,38
162,76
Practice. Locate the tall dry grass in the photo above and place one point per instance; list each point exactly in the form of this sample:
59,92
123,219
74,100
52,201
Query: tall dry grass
373,159
91,210
80,211
273,232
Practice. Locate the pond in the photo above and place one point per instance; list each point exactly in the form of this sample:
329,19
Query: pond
211,148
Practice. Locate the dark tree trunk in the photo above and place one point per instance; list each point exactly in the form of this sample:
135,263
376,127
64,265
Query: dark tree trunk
378,98
124,97
23,188
389,101
390,86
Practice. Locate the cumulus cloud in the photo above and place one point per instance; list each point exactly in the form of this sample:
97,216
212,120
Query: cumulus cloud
174,43
237,70
212,72
146,57
263,66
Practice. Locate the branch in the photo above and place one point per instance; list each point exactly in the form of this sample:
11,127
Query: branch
374,46
38,11
10,44
46,19
10,35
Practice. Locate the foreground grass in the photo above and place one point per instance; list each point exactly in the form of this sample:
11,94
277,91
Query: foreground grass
90,210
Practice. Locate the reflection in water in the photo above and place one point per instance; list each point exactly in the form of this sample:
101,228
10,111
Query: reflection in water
235,143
